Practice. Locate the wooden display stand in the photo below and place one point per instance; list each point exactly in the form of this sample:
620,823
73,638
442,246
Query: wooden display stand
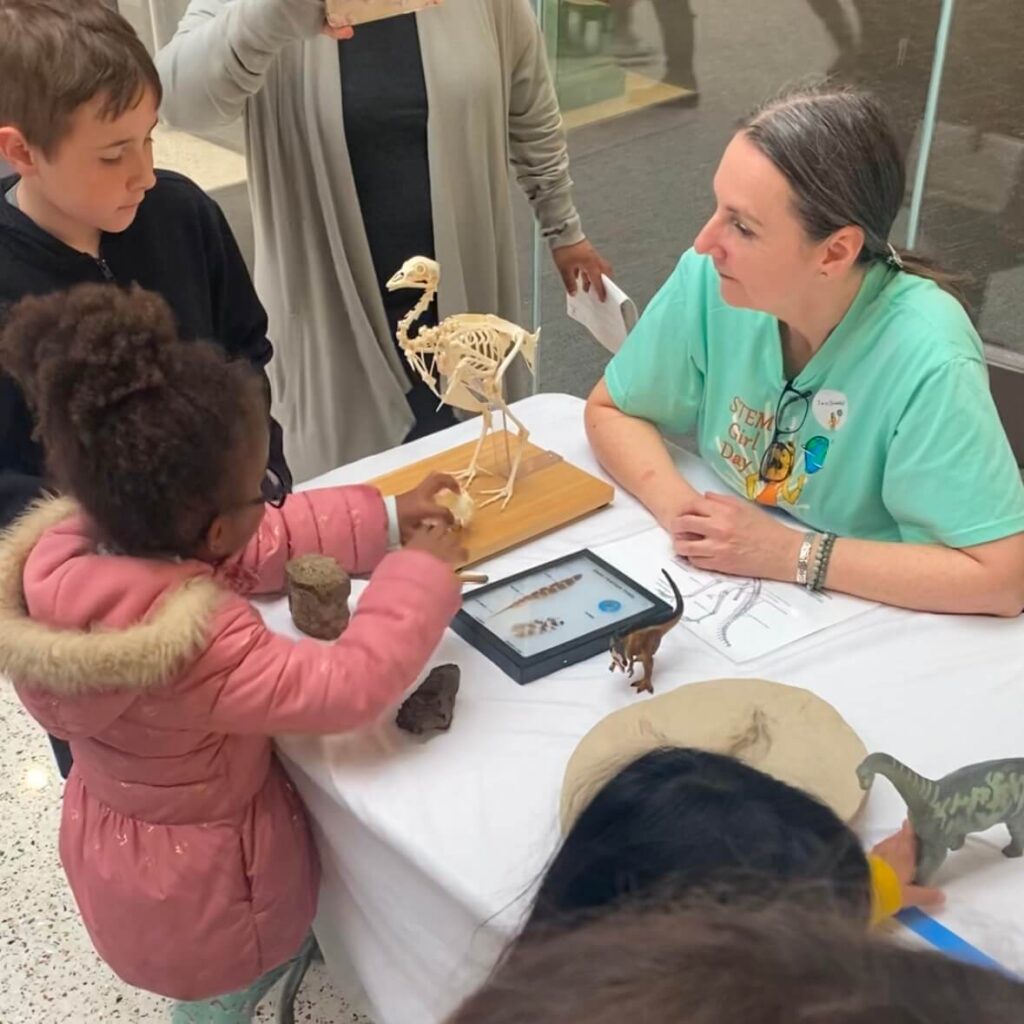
549,492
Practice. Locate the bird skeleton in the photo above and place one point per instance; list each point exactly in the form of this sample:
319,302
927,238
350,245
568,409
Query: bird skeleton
472,352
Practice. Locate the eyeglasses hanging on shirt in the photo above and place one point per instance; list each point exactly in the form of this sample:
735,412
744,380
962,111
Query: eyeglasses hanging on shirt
790,416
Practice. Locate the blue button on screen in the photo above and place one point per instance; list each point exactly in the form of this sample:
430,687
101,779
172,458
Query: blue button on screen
610,606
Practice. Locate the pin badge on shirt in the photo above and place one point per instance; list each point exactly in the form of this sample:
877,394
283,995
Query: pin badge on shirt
815,451
831,409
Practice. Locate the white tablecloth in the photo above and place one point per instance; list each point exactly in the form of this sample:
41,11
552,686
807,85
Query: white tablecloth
428,848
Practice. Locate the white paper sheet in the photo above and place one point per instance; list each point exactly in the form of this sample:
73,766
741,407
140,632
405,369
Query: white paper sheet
609,321
739,617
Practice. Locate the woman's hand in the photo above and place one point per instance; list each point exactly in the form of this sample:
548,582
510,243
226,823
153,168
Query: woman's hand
339,32
900,853
420,504
581,260
727,534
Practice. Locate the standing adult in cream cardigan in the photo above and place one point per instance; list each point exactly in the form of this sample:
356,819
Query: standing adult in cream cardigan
339,383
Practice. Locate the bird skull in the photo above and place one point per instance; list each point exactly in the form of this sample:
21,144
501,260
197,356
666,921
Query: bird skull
417,272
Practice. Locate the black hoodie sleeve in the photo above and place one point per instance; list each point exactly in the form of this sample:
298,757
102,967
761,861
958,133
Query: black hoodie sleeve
17,492
241,321
21,463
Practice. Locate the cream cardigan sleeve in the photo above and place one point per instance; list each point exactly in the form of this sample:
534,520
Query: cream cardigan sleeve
537,147
220,53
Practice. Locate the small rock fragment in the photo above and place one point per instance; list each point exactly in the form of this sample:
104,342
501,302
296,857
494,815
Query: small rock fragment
430,706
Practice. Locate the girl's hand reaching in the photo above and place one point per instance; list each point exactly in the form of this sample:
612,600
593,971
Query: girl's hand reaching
439,540
899,851
420,505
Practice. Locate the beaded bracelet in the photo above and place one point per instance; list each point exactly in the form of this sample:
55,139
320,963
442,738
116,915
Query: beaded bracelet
804,557
821,562
819,554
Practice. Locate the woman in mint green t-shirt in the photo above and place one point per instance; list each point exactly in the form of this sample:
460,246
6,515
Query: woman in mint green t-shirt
824,373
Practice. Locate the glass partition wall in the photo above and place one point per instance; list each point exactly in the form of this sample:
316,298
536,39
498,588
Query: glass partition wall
650,90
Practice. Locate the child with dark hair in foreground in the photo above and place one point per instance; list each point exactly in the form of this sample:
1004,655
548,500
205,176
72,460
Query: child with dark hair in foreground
678,821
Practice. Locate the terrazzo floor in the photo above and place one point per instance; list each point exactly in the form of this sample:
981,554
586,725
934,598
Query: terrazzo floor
49,973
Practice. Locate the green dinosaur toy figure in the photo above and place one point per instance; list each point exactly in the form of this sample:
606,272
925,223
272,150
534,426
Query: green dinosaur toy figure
945,811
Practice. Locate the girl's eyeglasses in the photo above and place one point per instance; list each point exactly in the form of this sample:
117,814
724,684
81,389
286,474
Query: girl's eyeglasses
273,491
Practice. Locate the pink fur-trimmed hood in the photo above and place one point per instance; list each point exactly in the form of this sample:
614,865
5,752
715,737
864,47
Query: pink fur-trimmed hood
55,586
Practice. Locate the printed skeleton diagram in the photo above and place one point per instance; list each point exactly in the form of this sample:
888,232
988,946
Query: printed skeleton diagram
738,596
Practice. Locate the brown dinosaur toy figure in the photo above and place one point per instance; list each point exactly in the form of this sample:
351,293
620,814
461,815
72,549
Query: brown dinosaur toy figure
642,644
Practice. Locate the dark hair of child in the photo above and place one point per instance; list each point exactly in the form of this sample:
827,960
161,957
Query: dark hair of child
142,429
678,821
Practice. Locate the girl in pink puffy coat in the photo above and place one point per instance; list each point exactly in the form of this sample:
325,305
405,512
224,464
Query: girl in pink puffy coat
125,628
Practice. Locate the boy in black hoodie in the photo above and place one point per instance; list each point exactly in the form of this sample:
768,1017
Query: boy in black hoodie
77,109
78,106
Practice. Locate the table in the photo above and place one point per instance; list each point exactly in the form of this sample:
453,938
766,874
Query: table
430,849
